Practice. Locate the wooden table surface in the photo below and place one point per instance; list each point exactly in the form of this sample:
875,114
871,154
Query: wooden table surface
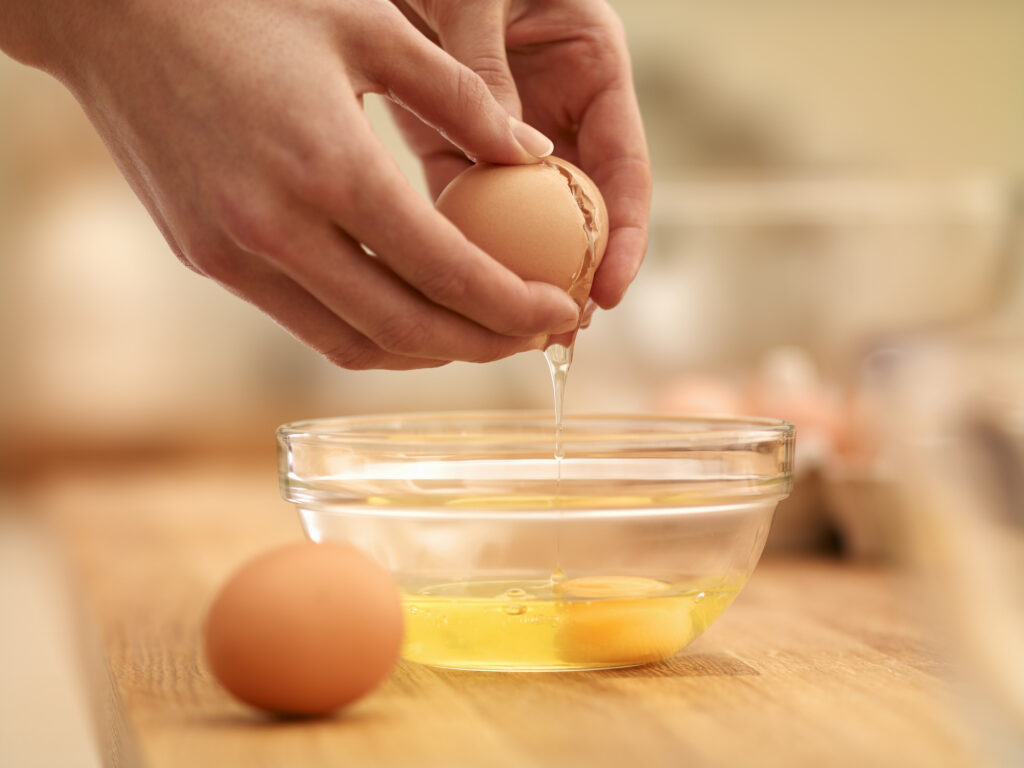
816,664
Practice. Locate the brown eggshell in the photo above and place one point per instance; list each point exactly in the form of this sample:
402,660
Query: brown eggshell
528,218
304,629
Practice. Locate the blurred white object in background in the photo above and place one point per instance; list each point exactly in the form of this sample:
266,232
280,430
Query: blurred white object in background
829,265
44,699
127,334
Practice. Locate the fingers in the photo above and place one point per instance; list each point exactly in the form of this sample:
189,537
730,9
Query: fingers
451,98
613,152
367,296
306,318
439,168
474,33
375,204
339,300
442,161
301,241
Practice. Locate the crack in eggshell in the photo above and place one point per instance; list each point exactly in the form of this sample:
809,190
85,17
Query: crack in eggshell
579,287
583,278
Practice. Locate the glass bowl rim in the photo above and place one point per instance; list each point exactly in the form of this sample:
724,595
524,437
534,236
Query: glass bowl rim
711,431
383,454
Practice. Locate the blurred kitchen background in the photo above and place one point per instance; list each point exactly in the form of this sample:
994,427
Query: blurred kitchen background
836,239
832,179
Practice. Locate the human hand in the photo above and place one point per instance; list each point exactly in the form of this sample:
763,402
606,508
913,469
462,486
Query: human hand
566,60
239,125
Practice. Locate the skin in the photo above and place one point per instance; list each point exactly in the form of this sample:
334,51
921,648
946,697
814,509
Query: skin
239,124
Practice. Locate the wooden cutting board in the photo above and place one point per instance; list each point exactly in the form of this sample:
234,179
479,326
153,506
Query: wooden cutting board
818,663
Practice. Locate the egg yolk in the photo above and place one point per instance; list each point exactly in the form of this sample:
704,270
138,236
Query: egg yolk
620,625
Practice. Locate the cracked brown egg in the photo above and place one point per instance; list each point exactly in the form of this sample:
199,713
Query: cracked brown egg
545,221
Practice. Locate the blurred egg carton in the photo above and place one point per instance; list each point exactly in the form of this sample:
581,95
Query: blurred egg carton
785,384
955,396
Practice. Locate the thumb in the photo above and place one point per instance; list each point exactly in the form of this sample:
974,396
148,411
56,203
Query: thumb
455,101
474,33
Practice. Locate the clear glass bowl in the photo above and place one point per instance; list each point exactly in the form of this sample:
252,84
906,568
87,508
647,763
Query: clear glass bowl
620,554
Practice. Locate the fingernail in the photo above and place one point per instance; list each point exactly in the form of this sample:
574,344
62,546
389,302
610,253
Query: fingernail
588,313
563,339
530,139
570,324
537,342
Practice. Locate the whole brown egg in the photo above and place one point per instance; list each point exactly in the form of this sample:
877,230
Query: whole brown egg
304,629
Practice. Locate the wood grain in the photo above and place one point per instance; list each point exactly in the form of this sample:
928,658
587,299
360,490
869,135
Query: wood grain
816,664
